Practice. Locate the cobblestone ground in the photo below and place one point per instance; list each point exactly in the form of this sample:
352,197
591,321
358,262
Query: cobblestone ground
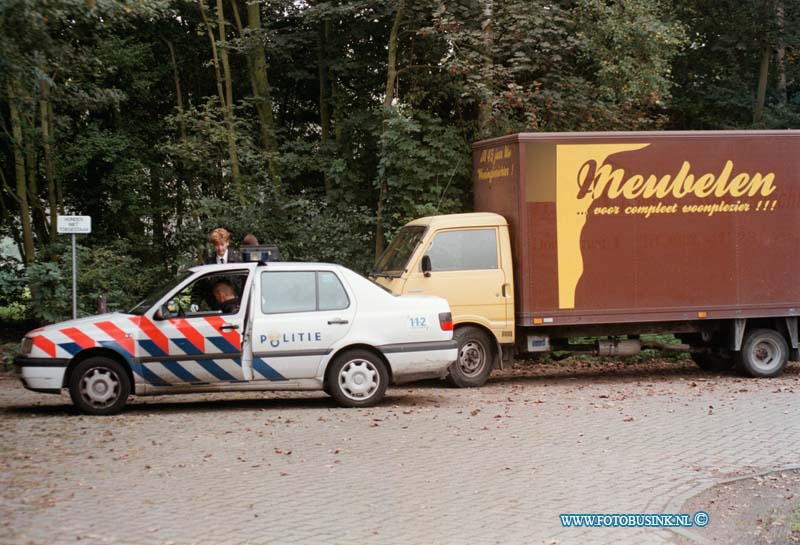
432,465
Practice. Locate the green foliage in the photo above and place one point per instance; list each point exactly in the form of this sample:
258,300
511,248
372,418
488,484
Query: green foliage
323,232
587,65
717,72
630,44
152,167
102,270
12,283
424,164
51,296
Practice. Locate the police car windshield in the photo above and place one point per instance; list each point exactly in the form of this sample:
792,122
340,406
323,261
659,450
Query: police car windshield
394,260
155,295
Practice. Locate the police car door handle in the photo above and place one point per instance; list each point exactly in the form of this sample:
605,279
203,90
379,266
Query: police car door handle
228,327
337,321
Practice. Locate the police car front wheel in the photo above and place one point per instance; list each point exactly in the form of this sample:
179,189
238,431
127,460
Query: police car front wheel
99,386
357,378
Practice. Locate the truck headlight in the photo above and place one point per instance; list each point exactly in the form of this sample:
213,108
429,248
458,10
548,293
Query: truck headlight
27,346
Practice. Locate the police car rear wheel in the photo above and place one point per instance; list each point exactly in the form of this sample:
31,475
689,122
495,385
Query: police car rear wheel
357,378
99,386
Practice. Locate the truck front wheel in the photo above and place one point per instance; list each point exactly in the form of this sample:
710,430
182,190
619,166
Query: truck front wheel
475,357
764,353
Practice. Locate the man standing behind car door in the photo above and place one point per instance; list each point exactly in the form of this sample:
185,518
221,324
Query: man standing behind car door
221,239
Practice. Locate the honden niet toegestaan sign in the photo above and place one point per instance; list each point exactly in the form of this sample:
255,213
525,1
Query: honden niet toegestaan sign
74,224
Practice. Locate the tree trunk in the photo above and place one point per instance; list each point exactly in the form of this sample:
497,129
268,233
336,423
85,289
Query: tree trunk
485,106
19,169
391,69
226,100
338,107
229,117
157,197
262,93
178,93
763,76
45,123
181,128
324,110
388,100
780,52
38,214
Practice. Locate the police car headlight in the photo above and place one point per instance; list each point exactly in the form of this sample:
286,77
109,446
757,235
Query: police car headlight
27,346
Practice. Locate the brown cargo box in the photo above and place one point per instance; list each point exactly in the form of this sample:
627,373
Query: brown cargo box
656,226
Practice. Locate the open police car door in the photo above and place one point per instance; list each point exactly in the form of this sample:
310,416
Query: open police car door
195,337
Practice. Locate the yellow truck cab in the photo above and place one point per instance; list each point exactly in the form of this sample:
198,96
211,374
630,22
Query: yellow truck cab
465,258
588,243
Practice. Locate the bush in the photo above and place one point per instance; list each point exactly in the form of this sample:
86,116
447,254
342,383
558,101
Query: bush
12,282
104,270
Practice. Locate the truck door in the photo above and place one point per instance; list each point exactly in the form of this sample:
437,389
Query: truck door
196,335
465,269
298,317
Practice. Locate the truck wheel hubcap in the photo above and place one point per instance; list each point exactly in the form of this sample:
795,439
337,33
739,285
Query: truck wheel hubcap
765,354
471,358
358,379
100,387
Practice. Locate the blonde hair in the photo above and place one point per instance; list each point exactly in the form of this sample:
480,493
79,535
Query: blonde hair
220,234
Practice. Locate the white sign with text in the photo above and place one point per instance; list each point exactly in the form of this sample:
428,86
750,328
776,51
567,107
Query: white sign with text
74,224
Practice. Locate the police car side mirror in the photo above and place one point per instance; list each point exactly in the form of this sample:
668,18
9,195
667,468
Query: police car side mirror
426,266
167,311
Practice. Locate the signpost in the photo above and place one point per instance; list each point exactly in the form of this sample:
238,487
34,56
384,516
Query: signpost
74,225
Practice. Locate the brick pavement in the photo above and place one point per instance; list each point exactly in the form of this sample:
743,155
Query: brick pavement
432,465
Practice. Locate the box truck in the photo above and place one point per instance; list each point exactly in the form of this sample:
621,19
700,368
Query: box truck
584,242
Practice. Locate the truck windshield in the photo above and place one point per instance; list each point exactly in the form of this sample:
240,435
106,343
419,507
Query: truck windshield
394,260
153,297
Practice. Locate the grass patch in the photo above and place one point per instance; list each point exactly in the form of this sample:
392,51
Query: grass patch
796,521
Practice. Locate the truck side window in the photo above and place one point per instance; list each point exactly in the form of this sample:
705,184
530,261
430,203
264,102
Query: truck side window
464,250
288,291
331,292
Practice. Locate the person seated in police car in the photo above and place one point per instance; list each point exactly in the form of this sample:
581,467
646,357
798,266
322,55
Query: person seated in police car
225,297
220,238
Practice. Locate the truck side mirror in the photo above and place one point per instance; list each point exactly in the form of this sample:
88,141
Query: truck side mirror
426,265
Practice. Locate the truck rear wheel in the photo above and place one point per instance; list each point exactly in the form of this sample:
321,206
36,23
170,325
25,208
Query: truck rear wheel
764,353
475,357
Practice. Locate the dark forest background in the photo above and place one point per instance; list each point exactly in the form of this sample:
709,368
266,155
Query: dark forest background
322,126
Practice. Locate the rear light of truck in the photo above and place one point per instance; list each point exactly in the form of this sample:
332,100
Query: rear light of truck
446,321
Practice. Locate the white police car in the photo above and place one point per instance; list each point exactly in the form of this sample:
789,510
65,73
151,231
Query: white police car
246,326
